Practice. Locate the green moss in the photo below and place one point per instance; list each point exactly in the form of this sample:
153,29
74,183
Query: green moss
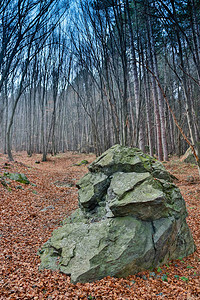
83,162
19,177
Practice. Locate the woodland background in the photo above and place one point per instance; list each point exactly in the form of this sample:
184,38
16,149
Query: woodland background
84,75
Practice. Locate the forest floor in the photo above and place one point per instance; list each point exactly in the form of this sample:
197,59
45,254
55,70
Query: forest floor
29,214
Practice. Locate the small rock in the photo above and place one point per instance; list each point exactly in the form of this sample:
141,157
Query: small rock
48,207
59,183
19,187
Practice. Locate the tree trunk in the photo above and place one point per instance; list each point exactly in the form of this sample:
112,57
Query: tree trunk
159,94
136,82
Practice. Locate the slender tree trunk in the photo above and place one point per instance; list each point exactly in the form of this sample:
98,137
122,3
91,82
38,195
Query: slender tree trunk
196,35
43,133
148,110
6,119
136,82
158,134
9,143
159,94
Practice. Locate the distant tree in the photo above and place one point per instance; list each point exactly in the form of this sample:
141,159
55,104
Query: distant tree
102,77
24,28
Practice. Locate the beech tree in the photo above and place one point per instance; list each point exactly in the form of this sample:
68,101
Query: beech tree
116,71
24,30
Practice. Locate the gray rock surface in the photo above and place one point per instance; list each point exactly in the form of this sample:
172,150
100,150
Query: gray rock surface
131,217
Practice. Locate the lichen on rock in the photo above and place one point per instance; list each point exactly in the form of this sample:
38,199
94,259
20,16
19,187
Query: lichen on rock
131,217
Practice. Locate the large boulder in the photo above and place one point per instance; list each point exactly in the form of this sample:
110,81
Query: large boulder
131,217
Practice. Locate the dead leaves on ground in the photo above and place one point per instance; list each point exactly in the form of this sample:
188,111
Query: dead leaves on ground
29,214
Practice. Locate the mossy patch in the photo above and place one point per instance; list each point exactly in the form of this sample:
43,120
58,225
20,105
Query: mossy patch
19,177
